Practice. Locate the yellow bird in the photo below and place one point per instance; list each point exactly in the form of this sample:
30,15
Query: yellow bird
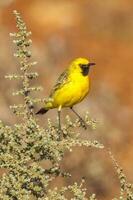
71,88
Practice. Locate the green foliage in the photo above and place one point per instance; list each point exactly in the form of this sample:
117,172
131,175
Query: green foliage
26,143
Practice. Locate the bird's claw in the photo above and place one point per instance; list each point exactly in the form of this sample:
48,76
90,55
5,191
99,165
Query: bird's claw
60,133
83,124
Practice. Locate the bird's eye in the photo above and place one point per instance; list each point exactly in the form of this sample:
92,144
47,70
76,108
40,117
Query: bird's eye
83,65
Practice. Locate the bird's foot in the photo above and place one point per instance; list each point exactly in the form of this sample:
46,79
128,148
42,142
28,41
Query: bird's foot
60,133
83,123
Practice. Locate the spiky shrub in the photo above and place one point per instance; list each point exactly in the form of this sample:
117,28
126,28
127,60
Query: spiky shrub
25,144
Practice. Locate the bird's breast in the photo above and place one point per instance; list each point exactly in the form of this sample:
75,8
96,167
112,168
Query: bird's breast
83,86
73,92
79,89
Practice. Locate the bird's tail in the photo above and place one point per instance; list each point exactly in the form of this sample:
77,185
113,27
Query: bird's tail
48,105
42,111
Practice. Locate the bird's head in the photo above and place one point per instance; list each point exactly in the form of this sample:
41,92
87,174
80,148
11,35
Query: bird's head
81,65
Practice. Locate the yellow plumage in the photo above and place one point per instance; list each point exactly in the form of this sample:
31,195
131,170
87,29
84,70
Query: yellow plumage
71,87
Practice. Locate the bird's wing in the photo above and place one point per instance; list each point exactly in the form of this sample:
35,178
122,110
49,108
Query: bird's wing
61,81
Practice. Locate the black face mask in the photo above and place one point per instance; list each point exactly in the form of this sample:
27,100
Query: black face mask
85,68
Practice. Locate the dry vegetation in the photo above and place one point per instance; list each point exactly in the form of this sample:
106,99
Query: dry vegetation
103,32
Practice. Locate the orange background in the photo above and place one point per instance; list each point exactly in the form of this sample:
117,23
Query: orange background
61,31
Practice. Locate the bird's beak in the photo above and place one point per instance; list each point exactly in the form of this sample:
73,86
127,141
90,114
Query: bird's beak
91,64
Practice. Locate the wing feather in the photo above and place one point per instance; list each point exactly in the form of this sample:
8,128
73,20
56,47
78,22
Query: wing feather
61,81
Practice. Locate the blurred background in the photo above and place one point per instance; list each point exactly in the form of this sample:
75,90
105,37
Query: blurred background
61,31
